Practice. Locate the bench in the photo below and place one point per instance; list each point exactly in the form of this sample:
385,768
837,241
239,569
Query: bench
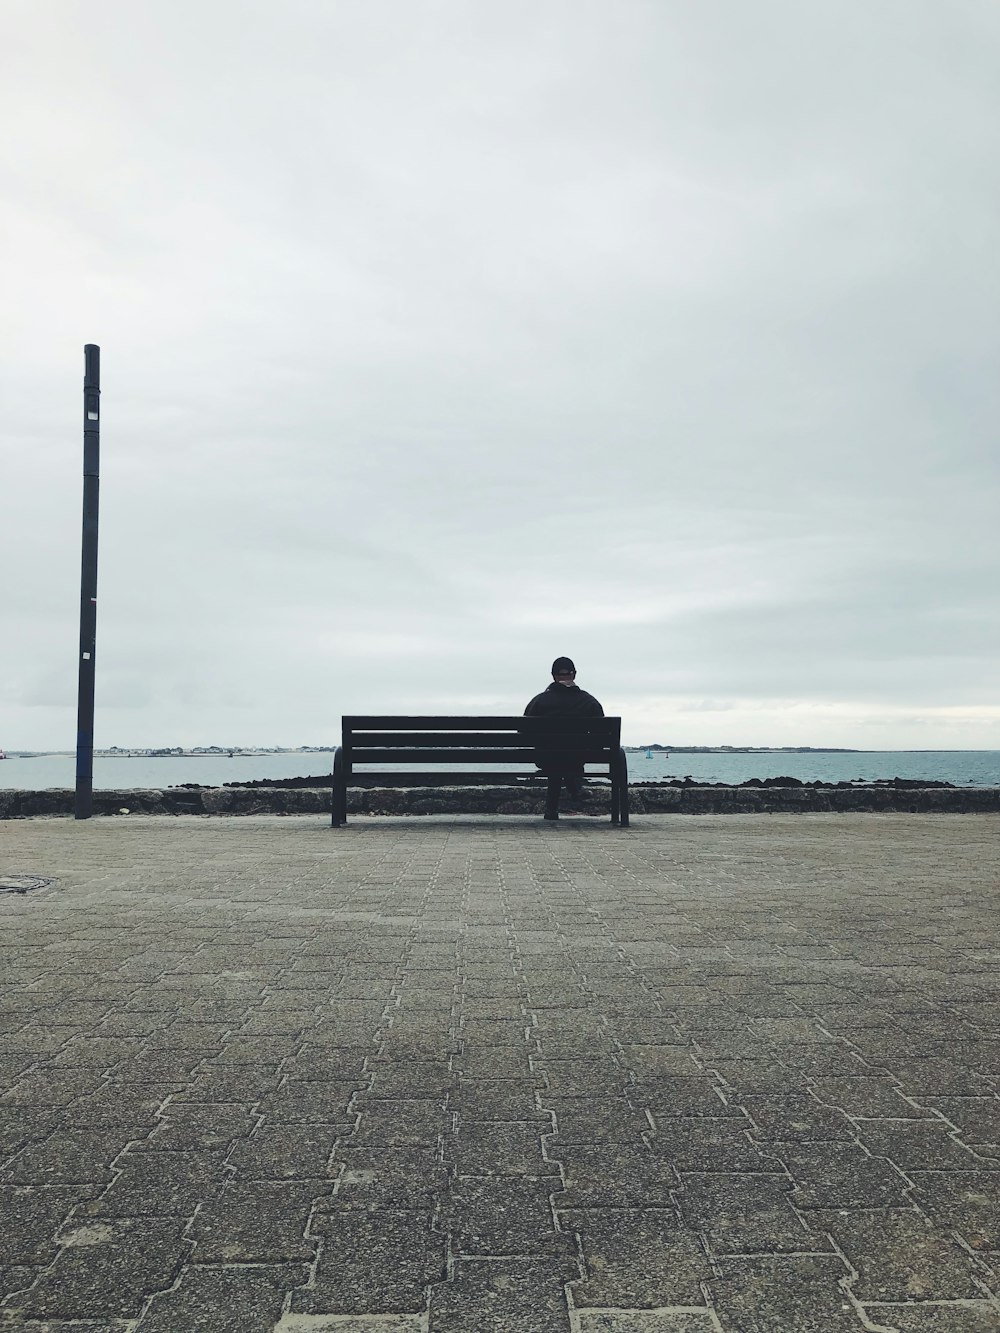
486,742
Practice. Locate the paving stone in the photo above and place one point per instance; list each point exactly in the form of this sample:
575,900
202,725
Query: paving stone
31,1219
511,1010
981,1055
12,1066
21,1125
102,1052
312,1101
221,1010
582,1078
734,1042
52,1088
840,1175
796,1117
900,1256
410,1079
118,1104
386,1177
489,1148
284,1152
427,980
499,988
704,1144
479,1033
151,999
246,1084
418,1122
969,1201
342,1015
14,1278
976,1118
365,988
34,1039
493,1062
327,1064
637,1257
224,1300
659,1062
497,1099
271,1023
70,1156
418,1045
500,1295
165,1066
74,1013
564,999
303,975
655,1031
345,1035
381,1261
611,1120
264,1051
161,1184
965,1317
503,1215
745,1213
581,1046
615,1175
775,1294
920,1144
187,1125
925,1079
105,1269
258,1222
746,1078
791,1030
846,1019
682,1098
870,1097
827,1060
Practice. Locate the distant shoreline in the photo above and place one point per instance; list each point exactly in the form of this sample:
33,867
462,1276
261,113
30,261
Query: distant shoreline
237,752
139,753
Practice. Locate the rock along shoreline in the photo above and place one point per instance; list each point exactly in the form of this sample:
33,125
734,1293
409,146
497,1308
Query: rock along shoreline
648,798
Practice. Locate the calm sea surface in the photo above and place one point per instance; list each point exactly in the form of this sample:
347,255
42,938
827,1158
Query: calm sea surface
964,768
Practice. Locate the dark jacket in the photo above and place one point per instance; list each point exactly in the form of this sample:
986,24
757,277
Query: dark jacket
562,701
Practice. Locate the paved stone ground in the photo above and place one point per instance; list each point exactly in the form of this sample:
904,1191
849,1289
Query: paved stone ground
735,1074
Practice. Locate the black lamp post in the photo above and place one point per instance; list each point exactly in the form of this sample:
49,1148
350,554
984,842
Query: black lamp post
84,806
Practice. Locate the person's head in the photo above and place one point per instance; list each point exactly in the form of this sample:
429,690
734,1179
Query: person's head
563,671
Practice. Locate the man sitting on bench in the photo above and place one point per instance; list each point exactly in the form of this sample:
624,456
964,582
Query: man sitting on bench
563,698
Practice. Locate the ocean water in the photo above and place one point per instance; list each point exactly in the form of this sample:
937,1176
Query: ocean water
963,768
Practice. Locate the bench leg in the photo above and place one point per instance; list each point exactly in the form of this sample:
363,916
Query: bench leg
339,816
622,789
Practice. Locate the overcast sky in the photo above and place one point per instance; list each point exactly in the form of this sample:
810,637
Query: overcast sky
440,339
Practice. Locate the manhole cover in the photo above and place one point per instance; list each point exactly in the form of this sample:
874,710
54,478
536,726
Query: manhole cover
22,883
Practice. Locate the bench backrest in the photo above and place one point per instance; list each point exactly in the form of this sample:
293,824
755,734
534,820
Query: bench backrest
478,740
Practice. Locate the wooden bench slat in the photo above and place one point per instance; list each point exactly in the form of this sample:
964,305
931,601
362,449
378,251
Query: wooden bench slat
524,756
359,740
480,724
457,777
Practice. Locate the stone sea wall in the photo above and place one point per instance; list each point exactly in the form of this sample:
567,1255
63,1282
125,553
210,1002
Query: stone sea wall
520,800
